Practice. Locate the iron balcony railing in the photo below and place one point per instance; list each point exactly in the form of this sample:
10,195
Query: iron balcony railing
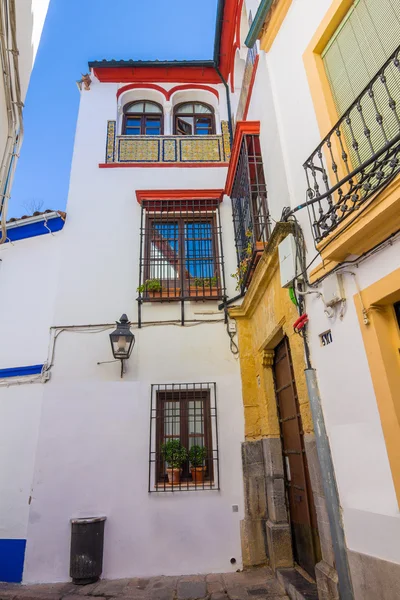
249,209
359,156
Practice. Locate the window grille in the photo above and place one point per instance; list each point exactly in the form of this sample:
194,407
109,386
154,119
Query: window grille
249,206
183,415
181,254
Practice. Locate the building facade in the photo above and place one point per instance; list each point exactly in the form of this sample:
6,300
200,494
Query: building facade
243,212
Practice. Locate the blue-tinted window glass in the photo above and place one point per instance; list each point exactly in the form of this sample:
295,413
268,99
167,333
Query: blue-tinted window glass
164,252
199,249
133,122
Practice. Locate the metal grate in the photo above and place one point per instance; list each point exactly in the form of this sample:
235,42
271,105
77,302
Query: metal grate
181,254
183,437
360,155
249,208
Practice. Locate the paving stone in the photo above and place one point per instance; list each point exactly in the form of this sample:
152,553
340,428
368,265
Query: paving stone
219,596
84,590
113,587
248,578
136,587
191,588
162,582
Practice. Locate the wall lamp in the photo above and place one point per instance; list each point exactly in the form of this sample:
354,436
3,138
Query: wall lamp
122,341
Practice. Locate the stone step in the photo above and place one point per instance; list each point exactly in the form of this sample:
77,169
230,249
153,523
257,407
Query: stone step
296,586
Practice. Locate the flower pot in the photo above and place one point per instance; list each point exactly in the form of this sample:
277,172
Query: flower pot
260,246
164,293
174,475
198,474
201,292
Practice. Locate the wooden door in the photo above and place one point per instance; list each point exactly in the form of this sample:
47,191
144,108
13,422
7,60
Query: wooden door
300,501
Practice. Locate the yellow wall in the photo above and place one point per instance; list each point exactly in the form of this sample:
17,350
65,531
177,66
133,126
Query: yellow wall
275,19
382,344
266,315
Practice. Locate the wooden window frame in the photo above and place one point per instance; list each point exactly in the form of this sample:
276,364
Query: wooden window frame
195,116
183,397
144,117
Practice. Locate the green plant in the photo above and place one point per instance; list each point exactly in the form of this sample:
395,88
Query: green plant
150,285
174,453
207,282
197,456
240,273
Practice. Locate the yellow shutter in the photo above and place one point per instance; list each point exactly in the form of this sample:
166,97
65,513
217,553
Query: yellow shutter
366,38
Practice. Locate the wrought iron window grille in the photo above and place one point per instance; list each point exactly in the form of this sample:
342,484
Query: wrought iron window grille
183,431
250,212
360,156
181,253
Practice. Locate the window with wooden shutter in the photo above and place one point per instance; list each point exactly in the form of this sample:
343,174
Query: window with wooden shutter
366,38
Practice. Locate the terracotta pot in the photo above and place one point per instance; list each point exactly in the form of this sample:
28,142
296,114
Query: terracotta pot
174,475
165,293
199,292
260,245
198,474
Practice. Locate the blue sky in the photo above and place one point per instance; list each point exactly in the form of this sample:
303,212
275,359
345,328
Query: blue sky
76,31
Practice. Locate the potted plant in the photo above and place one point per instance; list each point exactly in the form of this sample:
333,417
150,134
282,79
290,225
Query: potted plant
174,455
197,457
204,286
154,288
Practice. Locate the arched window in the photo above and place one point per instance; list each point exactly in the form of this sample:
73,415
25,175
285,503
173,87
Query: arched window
194,118
142,118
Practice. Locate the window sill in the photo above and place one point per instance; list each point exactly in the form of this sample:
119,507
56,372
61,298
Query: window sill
186,486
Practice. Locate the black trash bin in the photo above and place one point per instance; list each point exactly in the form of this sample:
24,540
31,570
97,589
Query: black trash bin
87,540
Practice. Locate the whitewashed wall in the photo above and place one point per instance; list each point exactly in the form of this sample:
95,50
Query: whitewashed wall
289,133
93,447
28,284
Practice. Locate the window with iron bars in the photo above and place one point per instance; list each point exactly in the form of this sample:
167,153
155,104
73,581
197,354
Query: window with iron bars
250,209
181,251
183,437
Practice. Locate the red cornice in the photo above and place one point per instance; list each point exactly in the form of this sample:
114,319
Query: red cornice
167,93
227,48
142,195
150,86
249,93
160,74
179,88
156,165
242,128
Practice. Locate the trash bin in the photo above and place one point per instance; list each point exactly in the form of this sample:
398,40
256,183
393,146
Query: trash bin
87,539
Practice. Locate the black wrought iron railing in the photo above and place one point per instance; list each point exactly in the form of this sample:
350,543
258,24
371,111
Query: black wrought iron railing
249,209
359,156
181,254
183,437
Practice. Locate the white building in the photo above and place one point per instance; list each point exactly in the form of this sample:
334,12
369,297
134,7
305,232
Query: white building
150,214
21,24
293,476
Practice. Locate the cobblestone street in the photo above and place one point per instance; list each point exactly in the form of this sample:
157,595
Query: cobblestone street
257,584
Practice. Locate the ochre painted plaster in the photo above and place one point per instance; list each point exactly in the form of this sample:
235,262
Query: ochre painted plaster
265,317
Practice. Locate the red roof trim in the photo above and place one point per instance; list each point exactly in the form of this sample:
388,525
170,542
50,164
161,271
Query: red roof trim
145,195
227,49
150,86
160,74
179,88
242,128
152,165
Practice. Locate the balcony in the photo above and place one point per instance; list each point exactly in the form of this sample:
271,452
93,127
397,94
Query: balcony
167,150
359,157
249,210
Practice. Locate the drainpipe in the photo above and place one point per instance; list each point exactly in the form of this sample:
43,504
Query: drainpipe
330,487
228,102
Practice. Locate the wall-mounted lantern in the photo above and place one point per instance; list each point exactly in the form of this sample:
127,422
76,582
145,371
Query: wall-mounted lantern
122,341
